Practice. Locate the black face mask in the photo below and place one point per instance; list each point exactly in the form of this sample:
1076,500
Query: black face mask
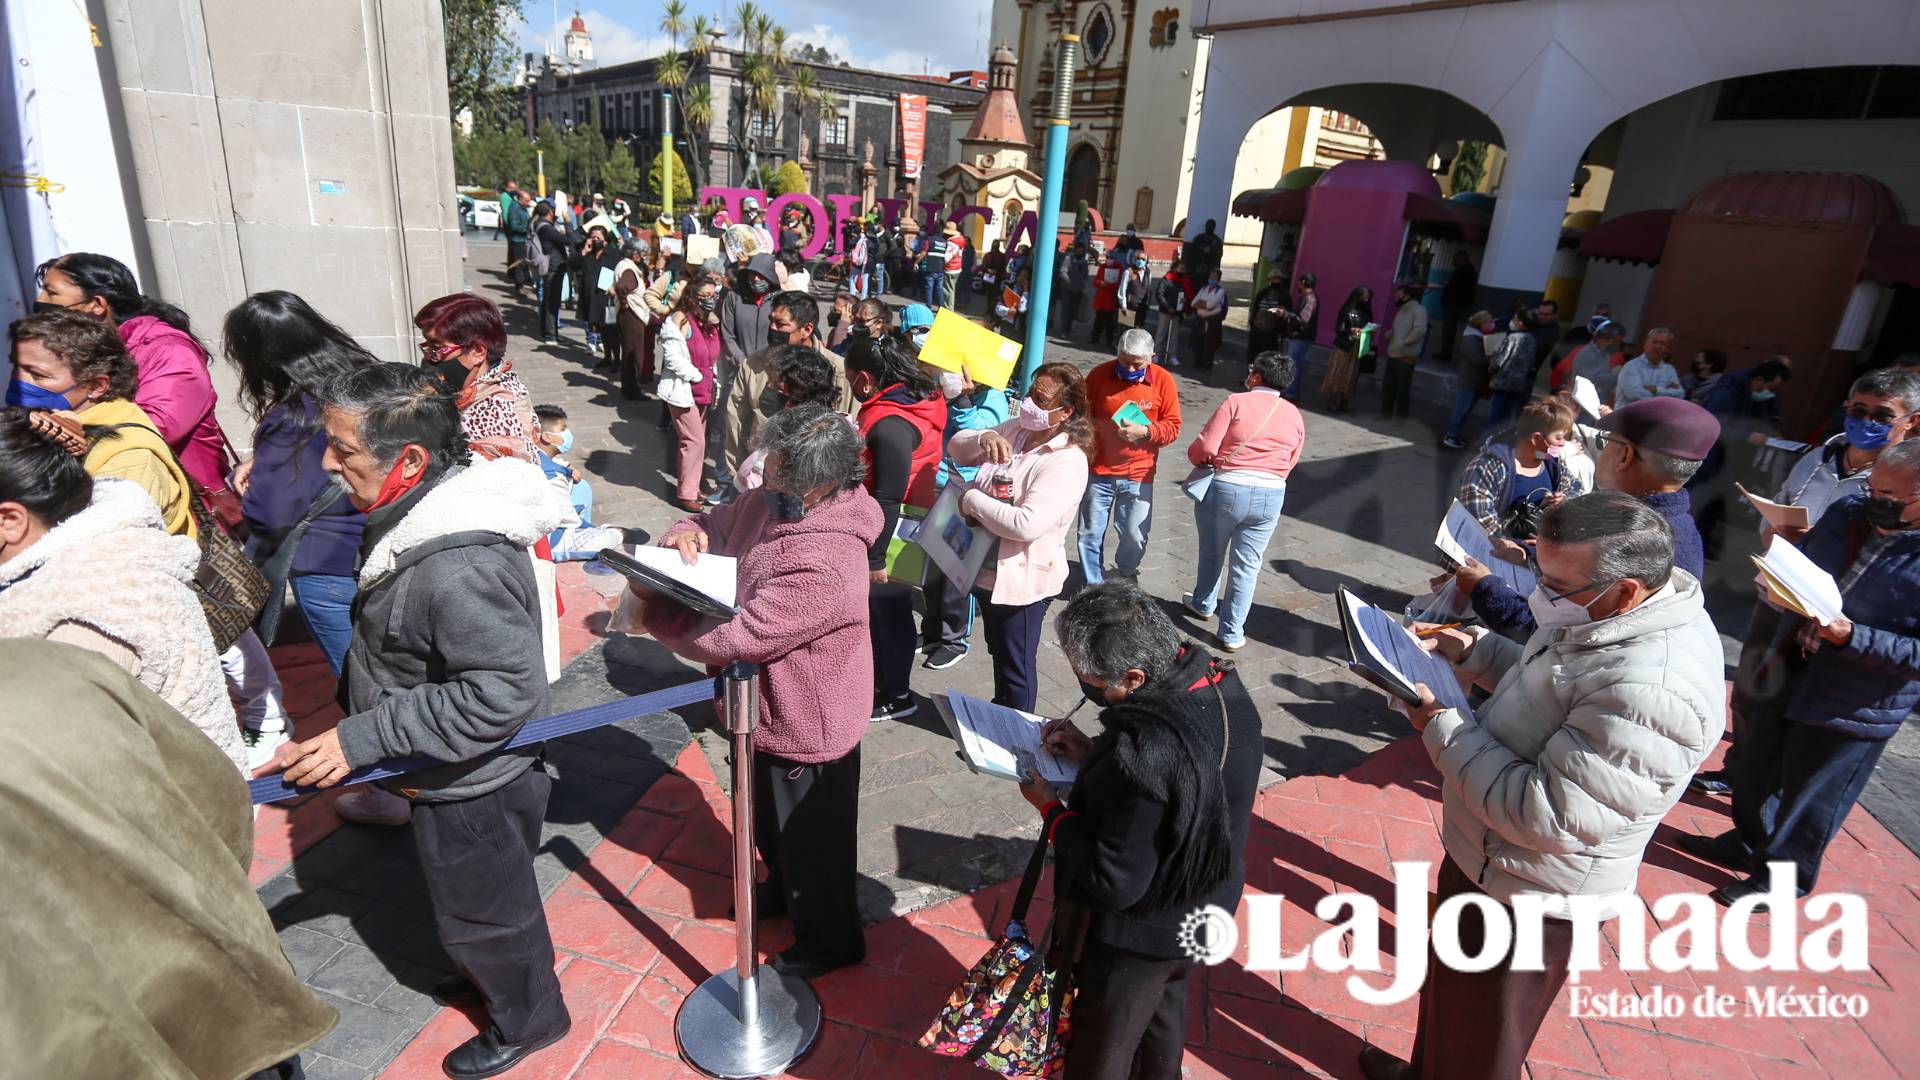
859,329
833,318
1095,694
452,372
1885,514
41,307
785,507
777,338
708,304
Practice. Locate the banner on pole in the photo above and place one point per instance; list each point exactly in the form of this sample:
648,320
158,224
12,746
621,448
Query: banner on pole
913,133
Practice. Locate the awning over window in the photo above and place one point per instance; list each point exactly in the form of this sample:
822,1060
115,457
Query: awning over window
1637,237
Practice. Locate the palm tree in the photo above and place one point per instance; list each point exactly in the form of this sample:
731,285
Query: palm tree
746,21
699,37
803,91
696,108
673,21
671,70
776,45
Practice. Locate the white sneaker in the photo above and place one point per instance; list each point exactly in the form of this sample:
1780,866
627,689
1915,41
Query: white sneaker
370,805
262,745
586,542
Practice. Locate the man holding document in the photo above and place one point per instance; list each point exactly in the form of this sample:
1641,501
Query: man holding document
1555,784
1817,703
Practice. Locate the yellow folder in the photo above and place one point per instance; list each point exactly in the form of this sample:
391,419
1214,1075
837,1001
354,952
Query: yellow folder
957,341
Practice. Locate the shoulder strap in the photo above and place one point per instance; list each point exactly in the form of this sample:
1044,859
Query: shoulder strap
1278,401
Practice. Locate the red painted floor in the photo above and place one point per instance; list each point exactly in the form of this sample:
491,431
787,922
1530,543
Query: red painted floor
644,920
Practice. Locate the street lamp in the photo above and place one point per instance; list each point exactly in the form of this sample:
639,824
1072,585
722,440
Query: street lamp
1048,234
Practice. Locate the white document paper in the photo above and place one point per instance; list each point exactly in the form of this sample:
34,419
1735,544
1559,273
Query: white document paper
605,281
1778,515
1391,651
993,738
715,575
1460,535
1586,396
1818,595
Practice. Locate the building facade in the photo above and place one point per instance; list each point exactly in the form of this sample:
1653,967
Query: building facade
627,100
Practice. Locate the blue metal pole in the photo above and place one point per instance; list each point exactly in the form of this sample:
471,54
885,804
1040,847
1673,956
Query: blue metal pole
1046,233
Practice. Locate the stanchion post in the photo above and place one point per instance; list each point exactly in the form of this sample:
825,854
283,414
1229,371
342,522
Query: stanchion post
750,1021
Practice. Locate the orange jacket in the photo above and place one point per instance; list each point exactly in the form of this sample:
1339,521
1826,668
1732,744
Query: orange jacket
1156,394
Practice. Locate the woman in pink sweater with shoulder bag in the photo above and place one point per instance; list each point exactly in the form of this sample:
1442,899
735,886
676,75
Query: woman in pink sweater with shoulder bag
1250,444
1032,473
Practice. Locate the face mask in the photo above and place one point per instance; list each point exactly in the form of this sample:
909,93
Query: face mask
396,486
950,385
564,442
758,285
41,307
1885,514
833,318
1213,283
1033,417
785,507
1094,694
1554,451
1868,434
708,304
918,335
1763,395
1134,374
777,338
452,372
860,329
1552,614
28,396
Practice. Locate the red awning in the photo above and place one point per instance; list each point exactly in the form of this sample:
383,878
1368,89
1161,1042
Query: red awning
1286,207
1637,237
1893,256
1470,220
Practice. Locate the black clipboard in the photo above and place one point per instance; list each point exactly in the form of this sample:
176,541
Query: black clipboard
677,591
1405,652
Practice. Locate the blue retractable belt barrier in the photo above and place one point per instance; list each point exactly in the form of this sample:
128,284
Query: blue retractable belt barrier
274,789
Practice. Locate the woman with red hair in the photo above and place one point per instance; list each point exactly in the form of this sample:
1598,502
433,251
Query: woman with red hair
463,339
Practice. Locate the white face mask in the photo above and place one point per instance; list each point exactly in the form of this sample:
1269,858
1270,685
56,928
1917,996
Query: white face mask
1552,614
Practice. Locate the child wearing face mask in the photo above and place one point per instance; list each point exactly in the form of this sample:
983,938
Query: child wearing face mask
1511,482
580,540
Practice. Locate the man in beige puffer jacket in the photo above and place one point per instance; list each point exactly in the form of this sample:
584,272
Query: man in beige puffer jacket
1555,784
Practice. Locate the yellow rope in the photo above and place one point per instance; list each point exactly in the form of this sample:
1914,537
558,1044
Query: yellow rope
38,184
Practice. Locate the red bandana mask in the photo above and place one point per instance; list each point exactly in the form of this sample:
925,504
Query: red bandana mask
396,486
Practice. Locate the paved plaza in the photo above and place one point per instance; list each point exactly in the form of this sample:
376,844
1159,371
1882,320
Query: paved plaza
635,857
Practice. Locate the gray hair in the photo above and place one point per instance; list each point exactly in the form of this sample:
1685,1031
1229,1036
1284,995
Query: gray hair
1902,386
809,446
1630,539
1902,455
714,268
1657,330
397,405
1275,368
1673,468
1111,628
1136,342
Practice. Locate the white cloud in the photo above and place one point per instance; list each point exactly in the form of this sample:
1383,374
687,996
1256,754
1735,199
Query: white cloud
614,42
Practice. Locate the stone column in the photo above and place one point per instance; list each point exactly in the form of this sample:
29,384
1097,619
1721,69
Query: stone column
303,146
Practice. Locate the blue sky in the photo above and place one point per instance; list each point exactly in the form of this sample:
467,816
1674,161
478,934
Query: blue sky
941,36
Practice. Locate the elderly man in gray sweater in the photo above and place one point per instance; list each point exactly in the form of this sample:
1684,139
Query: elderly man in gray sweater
446,664
1554,785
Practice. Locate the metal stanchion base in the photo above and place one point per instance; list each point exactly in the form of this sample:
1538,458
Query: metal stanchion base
712,1039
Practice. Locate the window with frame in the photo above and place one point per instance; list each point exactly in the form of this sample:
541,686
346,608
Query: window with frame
836,131
762,126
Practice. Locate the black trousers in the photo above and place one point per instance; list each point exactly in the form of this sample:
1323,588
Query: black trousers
806,819
1129,1015
890,626
1013,639
550,307
949,616
1396,386
1069,307
1106,328
516,265
477,858
1480,1025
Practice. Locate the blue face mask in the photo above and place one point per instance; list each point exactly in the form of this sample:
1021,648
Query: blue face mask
565,442
785,507
28,396
1867,434
1133,374
1763,395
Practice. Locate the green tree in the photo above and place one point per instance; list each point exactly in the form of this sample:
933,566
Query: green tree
682,183
492,155
620,175
788,179
1469,168
480,50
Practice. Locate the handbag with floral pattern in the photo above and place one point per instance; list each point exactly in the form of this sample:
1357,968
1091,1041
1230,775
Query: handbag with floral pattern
1011,1012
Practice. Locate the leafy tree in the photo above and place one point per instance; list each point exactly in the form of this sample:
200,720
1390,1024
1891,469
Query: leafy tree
1469,168
480,51
788,179
682,182
492,155
620,175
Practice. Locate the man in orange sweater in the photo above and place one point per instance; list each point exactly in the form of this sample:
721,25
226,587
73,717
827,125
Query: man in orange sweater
1126,453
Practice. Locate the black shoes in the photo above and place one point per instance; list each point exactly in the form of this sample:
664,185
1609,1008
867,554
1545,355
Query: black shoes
1377,1064
899,708
1724,850
485,1055
944,656
1712,782
805,967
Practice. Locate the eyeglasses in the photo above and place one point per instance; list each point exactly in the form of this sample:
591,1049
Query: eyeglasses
1878,416
435,351
1568,595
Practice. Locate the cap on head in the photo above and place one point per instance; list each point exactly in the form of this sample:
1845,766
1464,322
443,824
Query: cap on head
1672,426
951,229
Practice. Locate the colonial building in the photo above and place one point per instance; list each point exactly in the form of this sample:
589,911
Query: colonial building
831,148
992,170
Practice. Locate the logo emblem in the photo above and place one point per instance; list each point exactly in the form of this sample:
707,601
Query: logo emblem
1208,935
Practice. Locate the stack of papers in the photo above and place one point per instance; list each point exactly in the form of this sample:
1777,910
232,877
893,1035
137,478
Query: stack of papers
1460,536
1779,515
1387,655
997,741
1794,582
706,586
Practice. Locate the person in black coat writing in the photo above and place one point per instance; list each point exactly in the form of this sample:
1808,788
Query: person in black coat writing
1154,828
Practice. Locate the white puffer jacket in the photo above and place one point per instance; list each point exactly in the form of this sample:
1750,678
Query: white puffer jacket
1591,734
113,568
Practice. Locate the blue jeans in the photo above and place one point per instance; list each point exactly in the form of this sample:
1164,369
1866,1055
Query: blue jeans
1236,521
1297,349
1463,402
1506,406
932,285
326,602
1129,505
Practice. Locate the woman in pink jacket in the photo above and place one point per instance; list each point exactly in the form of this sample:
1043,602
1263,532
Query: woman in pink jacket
1251,442
1033,471
176,389
801,600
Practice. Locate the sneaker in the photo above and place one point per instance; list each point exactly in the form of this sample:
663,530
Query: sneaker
1452,443
893,708
586,542
945,656
262,745
1186,601
1711,783
370,805
1232,646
